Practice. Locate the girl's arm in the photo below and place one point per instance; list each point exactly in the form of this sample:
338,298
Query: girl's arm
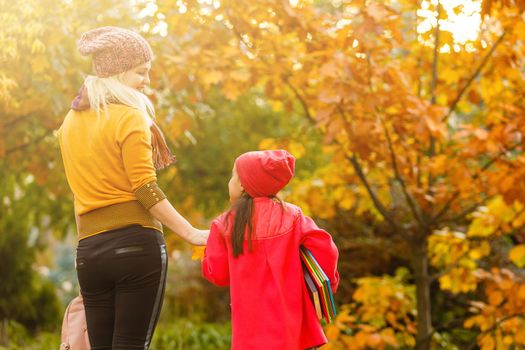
215,265
169,216
323,248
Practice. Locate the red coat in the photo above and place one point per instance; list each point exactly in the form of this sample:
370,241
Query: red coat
271,308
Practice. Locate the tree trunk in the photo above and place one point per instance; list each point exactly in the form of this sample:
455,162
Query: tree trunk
4,339
424,321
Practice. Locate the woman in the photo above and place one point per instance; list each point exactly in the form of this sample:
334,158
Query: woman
111,148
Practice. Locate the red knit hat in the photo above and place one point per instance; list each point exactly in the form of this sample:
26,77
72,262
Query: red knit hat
264,173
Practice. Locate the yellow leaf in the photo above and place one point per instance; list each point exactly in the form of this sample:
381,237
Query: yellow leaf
332,332
347,202
481,251
231,91
297,149
389,337
450,75
487,343
327,347
519,29
445,282
480,227
377,12
267,144
391,318
212,77
198,253
520,336
374,340
500,209
276,105
521,292
37,47
472,321
329,69
39,64
508,340
242,76
517,255
439,164
495,298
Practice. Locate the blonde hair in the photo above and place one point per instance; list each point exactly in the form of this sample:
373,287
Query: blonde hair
103,91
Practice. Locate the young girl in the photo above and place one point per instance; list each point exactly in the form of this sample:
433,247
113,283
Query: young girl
254,249
111,148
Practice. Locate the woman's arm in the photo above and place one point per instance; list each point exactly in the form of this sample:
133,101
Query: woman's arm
134,138
169,216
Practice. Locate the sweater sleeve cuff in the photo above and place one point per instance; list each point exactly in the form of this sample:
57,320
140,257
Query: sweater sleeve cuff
149,194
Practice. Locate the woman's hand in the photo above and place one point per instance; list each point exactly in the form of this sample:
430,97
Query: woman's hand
199,237
170,217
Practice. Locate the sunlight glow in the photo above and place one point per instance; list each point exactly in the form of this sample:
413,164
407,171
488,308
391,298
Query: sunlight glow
149,10
182,7
463,18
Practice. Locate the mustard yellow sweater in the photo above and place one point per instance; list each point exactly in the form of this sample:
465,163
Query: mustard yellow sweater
109,168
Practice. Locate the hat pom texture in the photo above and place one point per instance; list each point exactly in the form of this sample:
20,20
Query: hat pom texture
115,50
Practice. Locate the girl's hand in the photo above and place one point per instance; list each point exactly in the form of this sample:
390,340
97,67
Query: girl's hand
199,237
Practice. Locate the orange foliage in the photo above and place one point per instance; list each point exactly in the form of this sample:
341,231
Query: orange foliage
425,135
501,318
382,316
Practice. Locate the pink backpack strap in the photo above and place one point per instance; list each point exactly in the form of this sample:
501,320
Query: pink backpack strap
80,333
65,323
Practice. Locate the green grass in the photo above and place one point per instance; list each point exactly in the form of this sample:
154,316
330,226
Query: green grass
191,335
180,334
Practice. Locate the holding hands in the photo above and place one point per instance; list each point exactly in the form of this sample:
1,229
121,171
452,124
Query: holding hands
199,237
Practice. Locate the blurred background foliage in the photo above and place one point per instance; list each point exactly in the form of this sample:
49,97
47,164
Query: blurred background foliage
407,120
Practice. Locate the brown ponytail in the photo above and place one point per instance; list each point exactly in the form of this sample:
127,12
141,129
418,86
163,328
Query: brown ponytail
243,209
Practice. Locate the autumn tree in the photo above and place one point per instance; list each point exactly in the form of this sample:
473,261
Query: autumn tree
423,127
425,130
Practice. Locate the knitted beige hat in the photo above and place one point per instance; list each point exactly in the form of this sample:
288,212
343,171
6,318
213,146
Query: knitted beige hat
115,50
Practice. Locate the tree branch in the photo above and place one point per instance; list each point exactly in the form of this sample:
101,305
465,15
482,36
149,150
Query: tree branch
435,59
419,60
474,239
487,165
433,84
465,212
450,324
300,98
416,212
27,144
454,264
446,207
494,327
12,122
375,199
285,78
478,70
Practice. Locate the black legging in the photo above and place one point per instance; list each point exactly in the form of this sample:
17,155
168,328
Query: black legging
122,275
